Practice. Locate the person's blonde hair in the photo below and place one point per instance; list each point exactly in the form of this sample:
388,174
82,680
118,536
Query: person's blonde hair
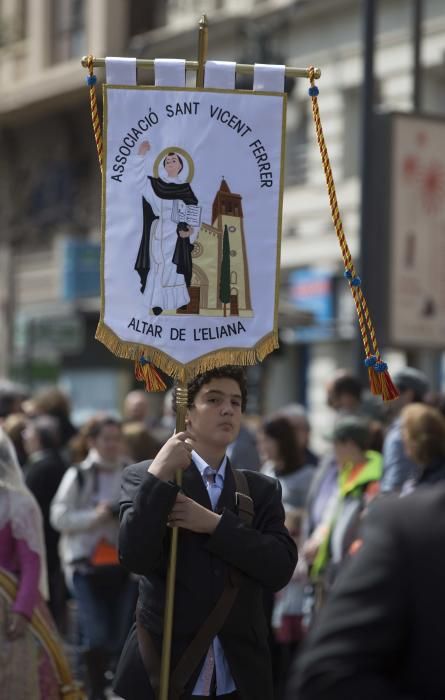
424,427
139,442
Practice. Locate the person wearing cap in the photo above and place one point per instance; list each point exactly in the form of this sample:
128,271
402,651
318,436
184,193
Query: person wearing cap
398,467
343,395
359,474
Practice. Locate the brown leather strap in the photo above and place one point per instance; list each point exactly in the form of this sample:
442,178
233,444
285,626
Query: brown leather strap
197,648
243,501
200,644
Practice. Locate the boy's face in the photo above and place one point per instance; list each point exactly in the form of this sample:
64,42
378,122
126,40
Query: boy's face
215,417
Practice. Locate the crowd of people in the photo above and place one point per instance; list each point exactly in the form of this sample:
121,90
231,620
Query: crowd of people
60,496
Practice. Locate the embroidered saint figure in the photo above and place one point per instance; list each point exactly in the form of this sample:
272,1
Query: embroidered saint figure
164,259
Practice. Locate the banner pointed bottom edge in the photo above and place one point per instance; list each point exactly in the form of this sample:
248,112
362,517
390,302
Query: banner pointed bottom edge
184,372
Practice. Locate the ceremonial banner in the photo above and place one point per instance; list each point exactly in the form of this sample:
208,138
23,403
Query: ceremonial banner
191,223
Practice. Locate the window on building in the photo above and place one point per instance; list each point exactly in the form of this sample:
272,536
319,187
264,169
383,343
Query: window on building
177,8
13,22
22,18
351,132
146,16
69,29
297,146
352,124
433,90
233,277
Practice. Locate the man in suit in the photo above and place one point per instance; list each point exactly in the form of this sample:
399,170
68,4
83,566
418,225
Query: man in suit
381,633
216,549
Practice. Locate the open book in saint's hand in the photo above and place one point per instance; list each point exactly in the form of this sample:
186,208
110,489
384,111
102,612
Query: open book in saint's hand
188,213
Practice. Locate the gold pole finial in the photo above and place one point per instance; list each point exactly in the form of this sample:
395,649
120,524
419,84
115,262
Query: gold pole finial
202,49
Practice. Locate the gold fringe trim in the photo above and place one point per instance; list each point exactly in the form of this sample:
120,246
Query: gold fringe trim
185,372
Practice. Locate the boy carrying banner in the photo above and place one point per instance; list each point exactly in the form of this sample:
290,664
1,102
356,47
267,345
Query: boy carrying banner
233,543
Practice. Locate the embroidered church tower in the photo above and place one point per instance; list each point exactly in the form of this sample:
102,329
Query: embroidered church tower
207,255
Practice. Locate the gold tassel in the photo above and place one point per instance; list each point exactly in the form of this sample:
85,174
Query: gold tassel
388,390
379,379
374,382
146,372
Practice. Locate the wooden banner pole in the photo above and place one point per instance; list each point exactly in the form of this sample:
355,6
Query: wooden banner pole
181,410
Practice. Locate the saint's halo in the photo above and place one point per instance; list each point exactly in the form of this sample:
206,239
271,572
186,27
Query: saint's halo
180,152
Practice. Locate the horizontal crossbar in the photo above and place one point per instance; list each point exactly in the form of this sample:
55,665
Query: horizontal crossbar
241,68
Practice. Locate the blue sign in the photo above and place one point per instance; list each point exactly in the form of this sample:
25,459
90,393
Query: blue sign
312,290
81,269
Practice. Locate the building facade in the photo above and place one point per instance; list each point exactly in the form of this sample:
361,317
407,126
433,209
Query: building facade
50,189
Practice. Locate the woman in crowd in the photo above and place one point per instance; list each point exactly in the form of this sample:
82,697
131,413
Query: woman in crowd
423,434
85,511
285,460
32,661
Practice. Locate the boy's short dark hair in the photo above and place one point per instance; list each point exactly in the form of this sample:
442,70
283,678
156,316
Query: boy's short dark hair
234,372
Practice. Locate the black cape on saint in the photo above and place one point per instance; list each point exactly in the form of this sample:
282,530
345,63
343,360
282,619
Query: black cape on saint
182,256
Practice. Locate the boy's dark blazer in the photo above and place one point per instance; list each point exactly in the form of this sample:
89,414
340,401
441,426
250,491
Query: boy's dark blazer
264,553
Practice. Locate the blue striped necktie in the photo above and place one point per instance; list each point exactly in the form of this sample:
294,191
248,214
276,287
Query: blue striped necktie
214,483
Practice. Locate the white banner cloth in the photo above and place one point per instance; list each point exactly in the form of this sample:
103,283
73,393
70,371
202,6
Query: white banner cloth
191,221
120,71
220,74
268,78
169,72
